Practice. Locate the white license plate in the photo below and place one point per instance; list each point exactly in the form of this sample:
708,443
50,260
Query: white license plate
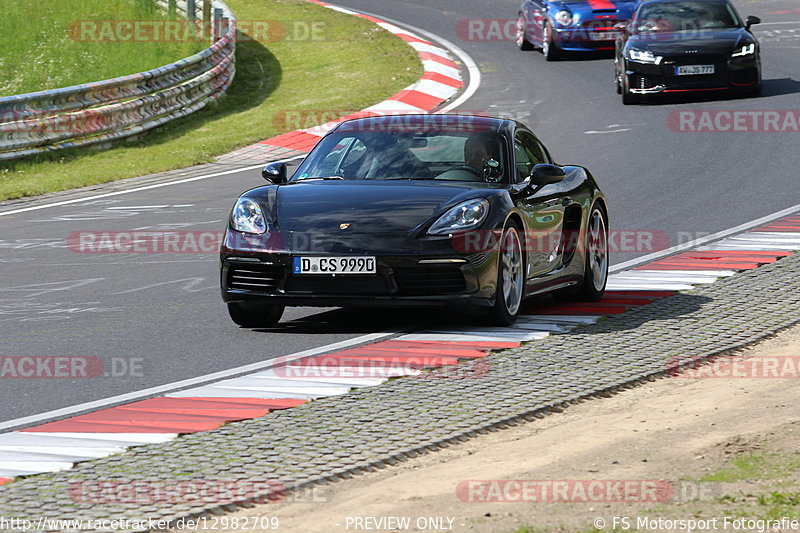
694,70
334,265
603,36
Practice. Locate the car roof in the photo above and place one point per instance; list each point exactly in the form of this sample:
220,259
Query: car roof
444,122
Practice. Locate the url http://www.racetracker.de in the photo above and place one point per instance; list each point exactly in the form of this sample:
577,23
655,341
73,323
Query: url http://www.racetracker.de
210,523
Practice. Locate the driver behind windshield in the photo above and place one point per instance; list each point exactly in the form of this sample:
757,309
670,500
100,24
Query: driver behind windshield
481,160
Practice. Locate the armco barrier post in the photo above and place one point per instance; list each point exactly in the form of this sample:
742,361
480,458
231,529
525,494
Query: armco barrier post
172,8
191,11
207,17
217,24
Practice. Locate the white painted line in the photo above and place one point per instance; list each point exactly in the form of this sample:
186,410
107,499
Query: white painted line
341,9
354,371
438,68
454,337
125,439
61,456
540,326
10,473
211,391
472,67
433,88
431,49
654,276
632,285
392,107
34,467
280,386
693,245
493,332
292,373
171,387
561,319
67,452
723,246
678,273
767,237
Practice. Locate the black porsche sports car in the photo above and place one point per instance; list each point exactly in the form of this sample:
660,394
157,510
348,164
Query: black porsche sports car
416,210
684,46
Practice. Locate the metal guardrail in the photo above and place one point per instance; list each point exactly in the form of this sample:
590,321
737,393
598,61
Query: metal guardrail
104,111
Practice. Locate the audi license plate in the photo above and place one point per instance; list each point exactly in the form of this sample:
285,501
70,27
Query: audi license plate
694,70
334,265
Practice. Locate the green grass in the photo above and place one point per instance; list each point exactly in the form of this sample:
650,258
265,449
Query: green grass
353,65
779,504
755,466
39,52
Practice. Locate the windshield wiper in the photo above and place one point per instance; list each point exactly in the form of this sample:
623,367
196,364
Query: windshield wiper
401,178
321,178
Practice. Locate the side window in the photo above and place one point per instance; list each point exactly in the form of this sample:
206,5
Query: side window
522,161
330,165
536,152
356,152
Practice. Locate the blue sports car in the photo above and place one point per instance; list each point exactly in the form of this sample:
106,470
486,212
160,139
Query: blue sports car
558,26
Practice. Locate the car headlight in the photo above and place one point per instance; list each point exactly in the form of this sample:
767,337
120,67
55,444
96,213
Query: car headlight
466,215
745,50
564,17
641,56
247,217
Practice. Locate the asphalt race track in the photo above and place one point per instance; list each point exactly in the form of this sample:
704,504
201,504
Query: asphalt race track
158,318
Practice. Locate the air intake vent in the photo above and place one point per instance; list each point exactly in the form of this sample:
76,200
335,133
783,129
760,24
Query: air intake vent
418,281
261,278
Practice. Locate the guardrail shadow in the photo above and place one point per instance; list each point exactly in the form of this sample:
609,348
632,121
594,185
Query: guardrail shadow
258,75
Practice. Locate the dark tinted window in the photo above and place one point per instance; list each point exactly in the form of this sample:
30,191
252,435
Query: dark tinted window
685,16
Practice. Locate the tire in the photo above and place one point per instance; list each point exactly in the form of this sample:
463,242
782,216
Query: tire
595,270
549,47
628,98
617,82
522,41
510,288
255,316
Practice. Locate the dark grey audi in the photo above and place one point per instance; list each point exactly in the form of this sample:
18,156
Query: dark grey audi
686,46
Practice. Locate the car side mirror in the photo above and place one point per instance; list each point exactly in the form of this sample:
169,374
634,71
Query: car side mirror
621,27
275,172
752,21
544,174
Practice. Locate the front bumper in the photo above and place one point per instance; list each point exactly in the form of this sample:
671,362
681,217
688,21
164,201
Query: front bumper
400,281
729,74
589,38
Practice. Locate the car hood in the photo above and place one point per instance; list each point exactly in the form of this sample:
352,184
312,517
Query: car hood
360,216
591,9
679,43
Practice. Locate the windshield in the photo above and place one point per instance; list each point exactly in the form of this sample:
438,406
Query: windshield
686,16
409,155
